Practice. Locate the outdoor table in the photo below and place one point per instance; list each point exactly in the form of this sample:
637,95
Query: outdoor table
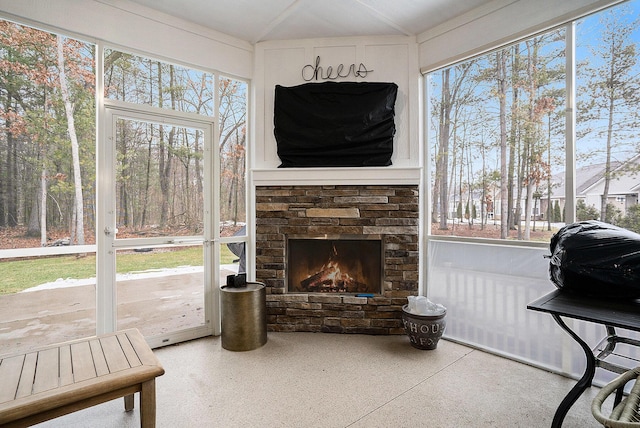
607,312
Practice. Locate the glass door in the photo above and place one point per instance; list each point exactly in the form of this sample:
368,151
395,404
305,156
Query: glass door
159,257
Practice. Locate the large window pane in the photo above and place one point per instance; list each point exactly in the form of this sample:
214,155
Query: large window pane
47,187
159,179
496,139
141,80
608,119
233,144
161,290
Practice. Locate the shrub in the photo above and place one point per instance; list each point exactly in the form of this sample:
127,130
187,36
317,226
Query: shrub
631,221
584,212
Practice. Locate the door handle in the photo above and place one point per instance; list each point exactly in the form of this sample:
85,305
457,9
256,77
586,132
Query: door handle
110,230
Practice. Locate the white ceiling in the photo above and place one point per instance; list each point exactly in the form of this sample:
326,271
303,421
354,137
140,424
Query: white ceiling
260,20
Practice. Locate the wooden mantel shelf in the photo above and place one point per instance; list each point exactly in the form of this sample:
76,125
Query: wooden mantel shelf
336,176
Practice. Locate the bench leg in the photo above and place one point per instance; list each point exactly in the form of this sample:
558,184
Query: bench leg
148,404
128,403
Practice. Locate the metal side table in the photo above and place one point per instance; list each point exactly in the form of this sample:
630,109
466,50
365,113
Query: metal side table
610,314
244,317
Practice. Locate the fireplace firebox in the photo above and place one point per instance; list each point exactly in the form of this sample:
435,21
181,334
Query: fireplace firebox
335,264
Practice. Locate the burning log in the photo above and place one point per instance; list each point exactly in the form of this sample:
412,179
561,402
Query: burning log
316,280
330,279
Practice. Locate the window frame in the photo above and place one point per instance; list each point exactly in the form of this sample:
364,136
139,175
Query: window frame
570,136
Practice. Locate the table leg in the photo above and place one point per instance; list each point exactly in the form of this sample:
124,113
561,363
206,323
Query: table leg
129,403
583,383
148,404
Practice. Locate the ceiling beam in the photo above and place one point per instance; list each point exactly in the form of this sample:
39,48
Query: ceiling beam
278,20
384,18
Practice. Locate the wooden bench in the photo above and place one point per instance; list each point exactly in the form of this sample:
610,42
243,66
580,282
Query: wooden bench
56,380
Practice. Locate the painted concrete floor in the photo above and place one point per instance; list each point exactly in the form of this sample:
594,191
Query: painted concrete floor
331,380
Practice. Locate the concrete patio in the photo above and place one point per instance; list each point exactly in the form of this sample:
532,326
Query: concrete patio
328,380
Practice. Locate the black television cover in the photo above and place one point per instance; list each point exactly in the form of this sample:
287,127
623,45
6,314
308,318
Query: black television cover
335,124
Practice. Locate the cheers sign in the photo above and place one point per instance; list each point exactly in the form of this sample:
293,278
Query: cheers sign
316,72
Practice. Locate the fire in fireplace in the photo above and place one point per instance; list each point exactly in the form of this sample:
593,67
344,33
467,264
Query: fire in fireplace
340,264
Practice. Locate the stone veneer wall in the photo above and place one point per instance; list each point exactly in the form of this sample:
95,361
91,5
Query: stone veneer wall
388,211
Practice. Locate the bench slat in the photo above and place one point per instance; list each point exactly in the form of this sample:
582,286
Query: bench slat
113,353
99,361
129,352
82,362
27,375
10,369
46,377
66,369
142,349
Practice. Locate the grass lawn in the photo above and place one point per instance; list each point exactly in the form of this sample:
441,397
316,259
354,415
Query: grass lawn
18,275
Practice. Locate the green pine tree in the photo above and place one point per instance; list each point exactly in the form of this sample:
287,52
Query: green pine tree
557,213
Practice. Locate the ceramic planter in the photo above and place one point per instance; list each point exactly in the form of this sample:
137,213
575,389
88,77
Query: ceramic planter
424,331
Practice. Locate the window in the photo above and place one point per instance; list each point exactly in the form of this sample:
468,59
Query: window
497,131
161,168
140,80
162,186
608,125
232,121
47,186
232,146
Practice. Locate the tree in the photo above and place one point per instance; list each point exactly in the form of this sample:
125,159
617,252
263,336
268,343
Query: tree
555,128
496,124
557,214
613,88
75,150
452,93
501,78
20,93
442,162
533,167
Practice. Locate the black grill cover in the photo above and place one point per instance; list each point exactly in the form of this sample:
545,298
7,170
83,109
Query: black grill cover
340,124
596,259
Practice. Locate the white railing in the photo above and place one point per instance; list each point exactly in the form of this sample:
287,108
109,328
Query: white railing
46,251
486,289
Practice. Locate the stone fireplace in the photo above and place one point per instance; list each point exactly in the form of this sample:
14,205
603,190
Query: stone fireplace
327,216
